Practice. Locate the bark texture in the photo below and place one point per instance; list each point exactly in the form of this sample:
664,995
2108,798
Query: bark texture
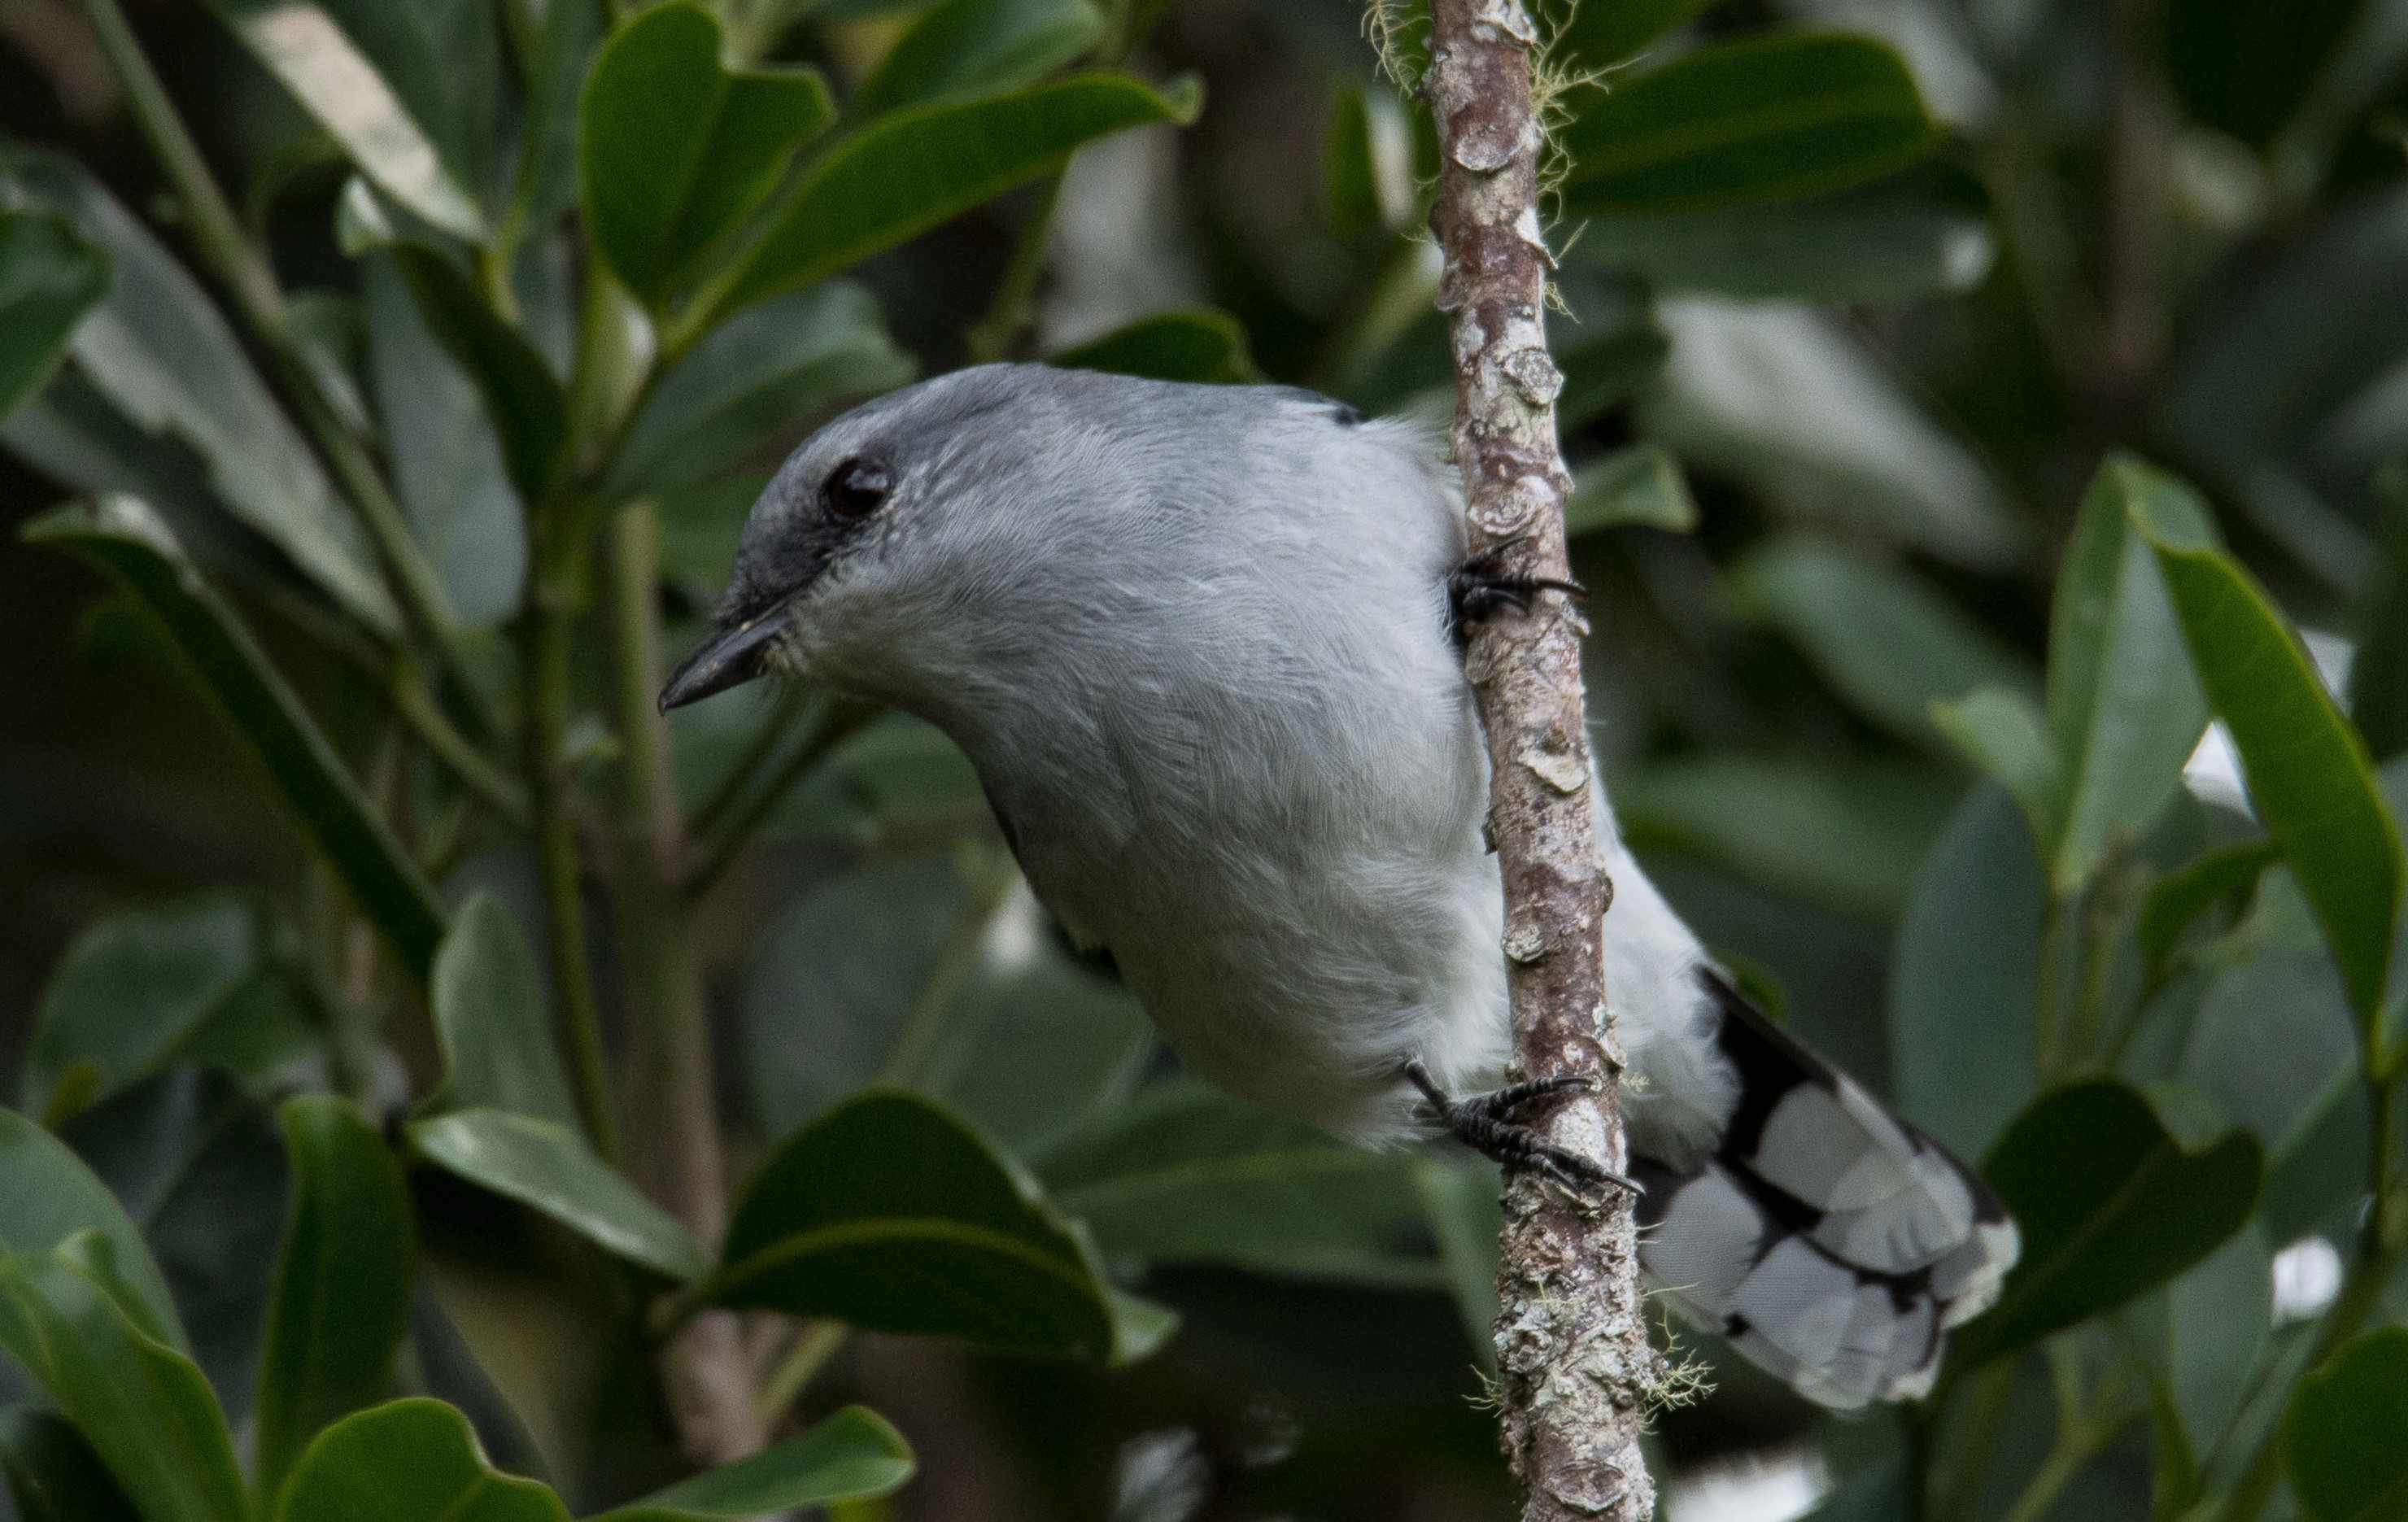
1575,1365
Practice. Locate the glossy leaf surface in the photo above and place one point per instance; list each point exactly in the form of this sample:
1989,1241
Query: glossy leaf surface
146,1409
1964,974
1188,1174
964,48
343,1281
2308,771
490,1017
910,170
2341,1438
853,1455
407,90
679,149
413,1460
2110,1205
173,373
753,377
522,397
50,277
1922,233
2123,706
129,990
889,1214
1752,120
47,1195
548,1168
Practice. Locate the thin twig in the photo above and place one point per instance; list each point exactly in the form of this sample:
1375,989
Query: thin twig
1575,1371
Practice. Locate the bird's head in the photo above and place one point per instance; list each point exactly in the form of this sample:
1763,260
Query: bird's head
862,554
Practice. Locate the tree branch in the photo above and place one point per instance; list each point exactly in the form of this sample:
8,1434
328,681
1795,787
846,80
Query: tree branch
1575,1370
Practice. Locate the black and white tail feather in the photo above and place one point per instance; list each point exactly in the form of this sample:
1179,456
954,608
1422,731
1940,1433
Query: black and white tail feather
1828,1239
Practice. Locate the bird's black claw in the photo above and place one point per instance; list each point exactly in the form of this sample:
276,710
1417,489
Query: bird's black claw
1485,1125
1478,590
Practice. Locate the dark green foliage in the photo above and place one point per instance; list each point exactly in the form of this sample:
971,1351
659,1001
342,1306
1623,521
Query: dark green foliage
417,478
2111,1206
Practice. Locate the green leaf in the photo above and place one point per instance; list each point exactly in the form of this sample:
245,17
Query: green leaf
1366,167
852,1455
2005,733
143,1406
2244,66
549,1169
964,48
2341,1438
446,461
1641,485
1923,232
1964,975
131,990
1030,1048
1594,36
548,152
343,1281
487,998
2110,1204
2307,770
200,1168
2378,675
414,1460
124,538
1889,643
1844,836
170,366
53,1474
411,105
1188,1174
1792,404
522,397
910,170
2176,903
2123,704
2217,1316
889,1214
678,148
1759,120
1201,344
2271,1047
50,277
752,379
47,1195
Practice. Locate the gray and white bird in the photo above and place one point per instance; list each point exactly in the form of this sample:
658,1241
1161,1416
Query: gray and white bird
1199,644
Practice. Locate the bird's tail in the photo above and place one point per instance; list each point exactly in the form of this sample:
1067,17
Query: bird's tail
1830,1240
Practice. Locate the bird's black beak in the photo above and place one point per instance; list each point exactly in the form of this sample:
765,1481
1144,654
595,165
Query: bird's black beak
730,657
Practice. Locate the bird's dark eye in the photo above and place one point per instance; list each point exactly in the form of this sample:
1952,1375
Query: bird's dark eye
856,488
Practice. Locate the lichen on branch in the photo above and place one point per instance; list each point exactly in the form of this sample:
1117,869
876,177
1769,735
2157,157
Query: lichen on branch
1576,1372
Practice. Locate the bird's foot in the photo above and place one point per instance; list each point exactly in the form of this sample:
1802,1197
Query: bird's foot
1477,589
1485,1123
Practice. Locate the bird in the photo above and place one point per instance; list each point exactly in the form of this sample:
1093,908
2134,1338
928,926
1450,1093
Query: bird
1203,645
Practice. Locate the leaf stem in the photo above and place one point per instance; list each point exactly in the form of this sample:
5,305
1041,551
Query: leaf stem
2085,1431
548,634
817,1343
